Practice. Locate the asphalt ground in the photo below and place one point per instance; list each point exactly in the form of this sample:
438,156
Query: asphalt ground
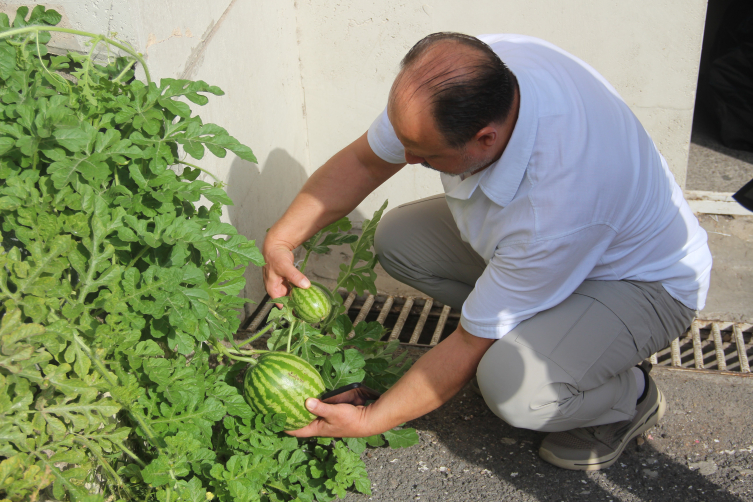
701,451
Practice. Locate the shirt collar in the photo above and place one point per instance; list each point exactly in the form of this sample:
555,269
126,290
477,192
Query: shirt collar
501,180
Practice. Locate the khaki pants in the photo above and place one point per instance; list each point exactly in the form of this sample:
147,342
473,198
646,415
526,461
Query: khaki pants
566,367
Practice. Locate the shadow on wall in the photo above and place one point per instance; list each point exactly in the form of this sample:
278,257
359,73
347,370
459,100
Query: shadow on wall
261,194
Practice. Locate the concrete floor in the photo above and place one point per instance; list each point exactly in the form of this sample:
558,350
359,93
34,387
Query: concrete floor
714,167
711,165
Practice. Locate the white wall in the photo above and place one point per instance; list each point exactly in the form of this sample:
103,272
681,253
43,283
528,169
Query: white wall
305,78
648,49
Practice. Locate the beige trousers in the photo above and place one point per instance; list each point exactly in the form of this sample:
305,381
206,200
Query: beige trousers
566,367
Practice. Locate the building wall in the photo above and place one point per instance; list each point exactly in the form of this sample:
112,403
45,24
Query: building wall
648,49
304,78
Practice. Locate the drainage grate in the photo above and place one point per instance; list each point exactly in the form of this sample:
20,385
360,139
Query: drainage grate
422,322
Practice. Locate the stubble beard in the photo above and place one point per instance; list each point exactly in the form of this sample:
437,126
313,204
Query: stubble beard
470,165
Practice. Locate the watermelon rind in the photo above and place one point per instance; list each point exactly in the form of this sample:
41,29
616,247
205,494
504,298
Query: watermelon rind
313,304
281,383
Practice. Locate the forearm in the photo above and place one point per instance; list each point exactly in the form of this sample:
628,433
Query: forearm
430,382
333,191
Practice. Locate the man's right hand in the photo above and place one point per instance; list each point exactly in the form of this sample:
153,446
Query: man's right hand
333,191
280,272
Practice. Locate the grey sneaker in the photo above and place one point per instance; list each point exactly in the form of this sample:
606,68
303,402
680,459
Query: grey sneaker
594,448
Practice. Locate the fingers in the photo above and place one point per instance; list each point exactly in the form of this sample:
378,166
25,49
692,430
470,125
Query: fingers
296,278
320,408
280,272
317,427
335,420
352,396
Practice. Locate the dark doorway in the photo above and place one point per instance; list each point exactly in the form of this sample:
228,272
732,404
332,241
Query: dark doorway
712,164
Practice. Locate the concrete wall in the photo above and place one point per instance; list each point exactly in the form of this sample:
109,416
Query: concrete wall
648,49
304,78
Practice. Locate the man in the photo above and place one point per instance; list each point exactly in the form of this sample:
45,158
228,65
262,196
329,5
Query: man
562,235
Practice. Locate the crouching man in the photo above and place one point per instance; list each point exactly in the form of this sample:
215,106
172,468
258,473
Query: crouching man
562,237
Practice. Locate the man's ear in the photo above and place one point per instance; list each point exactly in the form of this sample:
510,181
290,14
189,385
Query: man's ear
487,137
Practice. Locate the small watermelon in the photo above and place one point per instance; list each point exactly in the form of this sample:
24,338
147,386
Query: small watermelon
312,305
281,383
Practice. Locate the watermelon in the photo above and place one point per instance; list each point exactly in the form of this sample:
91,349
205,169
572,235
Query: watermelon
312,305
281,383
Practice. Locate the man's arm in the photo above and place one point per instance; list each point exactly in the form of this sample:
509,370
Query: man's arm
429,383
333,191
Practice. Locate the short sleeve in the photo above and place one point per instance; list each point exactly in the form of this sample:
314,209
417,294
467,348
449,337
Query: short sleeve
383,141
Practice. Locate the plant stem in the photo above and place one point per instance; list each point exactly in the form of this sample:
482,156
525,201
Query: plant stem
290,334
305,260
125,70
246,352
102,461
199,168
138,257
257,335
130,454
29,29
316,238
137,417
352,264
225,352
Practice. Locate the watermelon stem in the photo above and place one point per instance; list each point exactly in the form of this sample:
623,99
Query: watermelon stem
226,352
290,334
257,335
315,240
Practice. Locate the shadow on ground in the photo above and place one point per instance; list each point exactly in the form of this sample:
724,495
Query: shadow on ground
466,453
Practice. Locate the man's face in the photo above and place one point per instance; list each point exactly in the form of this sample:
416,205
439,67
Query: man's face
425,145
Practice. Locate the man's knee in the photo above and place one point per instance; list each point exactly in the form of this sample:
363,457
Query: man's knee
500,376
520,390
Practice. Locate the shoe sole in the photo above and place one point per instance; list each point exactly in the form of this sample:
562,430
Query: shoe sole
598,463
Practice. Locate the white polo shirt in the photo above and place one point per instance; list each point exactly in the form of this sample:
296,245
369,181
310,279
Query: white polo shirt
580,192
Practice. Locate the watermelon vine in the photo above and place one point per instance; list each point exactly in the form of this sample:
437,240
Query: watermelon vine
119,374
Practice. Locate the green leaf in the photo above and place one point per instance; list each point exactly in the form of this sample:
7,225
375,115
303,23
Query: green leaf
401,438
343,368
157,473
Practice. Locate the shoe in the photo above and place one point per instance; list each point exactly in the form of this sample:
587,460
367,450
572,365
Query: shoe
595,448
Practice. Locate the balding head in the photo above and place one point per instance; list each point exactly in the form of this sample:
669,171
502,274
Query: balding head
459,80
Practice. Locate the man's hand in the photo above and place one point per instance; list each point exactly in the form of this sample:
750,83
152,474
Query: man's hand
335,420
333,191
280,272
430,382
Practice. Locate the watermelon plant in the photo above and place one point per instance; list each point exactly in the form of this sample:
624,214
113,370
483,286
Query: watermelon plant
119,375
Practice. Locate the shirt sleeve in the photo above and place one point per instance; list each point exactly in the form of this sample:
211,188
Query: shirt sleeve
523,279
384,142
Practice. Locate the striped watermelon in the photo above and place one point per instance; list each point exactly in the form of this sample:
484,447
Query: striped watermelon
312,305
281,383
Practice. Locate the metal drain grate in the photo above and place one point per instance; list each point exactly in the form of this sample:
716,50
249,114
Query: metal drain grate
422,322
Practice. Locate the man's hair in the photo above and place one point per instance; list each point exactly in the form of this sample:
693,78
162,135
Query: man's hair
466,94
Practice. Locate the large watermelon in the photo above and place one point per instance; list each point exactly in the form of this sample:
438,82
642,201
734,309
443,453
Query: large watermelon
312,305
281,383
